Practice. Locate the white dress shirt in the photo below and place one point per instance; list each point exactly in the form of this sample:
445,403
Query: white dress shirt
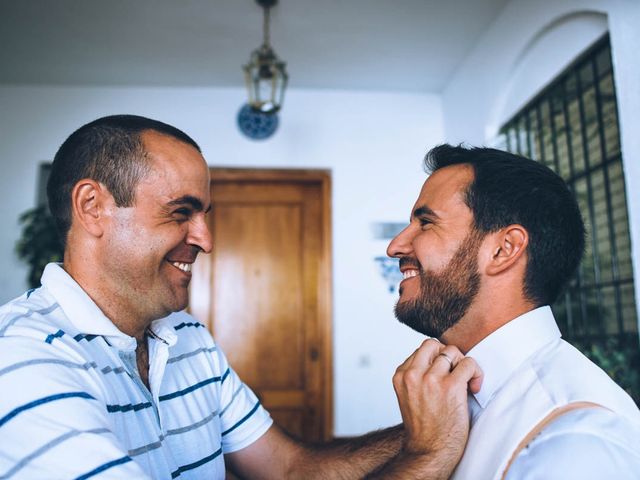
529,372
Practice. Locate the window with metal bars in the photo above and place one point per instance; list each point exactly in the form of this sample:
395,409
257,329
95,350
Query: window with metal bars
572,127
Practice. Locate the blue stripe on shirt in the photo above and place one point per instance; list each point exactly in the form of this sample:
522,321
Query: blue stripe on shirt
82,336
191,354
188,324
24,461
242,420
128,407
41,401
45,361
53,336
104,467
44,311
179,393
193,465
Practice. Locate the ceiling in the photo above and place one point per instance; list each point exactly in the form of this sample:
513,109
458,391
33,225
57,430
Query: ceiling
399,45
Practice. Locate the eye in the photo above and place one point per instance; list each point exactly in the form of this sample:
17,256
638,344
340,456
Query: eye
182,213
424,222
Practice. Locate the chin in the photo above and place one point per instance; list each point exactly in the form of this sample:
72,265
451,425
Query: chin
182,301
175,303
180,305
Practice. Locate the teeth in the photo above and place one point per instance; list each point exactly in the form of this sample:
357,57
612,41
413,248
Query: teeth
185,267
409,274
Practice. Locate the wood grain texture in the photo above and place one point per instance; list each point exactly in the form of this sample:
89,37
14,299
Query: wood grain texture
265,290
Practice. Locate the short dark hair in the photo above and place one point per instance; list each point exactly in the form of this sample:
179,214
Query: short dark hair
511,189
108,150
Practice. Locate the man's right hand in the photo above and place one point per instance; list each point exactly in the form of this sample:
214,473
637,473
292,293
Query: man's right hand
432,386
433,402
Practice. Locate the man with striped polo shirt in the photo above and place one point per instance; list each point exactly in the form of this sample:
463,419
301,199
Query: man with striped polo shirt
102,375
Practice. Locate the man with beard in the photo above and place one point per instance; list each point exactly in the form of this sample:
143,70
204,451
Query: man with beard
102,374
492,240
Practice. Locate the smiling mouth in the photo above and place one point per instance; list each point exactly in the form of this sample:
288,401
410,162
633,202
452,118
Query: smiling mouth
409,274
185,267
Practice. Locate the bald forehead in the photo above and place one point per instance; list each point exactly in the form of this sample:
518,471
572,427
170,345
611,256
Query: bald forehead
152,139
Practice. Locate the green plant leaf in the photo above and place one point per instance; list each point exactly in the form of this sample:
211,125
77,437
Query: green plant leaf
39,243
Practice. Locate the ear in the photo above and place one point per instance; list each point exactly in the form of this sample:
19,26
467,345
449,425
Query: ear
88,202
508,247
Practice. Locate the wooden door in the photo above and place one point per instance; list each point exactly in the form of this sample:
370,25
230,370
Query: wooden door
265,290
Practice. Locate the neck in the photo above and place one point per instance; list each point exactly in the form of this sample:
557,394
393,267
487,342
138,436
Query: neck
123,315
482,319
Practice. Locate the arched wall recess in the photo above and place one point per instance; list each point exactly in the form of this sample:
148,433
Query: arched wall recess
542,59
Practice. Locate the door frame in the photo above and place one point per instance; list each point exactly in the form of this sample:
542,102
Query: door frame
200,292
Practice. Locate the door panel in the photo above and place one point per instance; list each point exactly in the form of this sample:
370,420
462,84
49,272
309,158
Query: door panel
265,285
268,291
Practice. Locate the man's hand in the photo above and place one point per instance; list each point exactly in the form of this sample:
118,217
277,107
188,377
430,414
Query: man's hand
431,386
433,402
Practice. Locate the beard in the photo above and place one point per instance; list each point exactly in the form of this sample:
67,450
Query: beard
444,297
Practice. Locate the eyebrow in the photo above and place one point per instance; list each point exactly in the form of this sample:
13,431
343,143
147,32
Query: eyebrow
192,201
423,211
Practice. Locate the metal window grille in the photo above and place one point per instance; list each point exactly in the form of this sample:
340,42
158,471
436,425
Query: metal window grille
572,127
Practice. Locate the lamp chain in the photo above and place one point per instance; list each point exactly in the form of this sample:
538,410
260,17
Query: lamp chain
265,27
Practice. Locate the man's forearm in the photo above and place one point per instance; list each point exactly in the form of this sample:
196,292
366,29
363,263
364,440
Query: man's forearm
350,458
432,395
415,466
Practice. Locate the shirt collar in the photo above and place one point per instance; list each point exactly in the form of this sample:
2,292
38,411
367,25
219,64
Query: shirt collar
87,317
503,351
163,330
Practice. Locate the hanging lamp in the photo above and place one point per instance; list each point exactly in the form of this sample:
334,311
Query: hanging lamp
265,74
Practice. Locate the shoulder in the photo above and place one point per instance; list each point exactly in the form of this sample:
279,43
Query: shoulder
40,347
34,324
585,443
575,365
566,375
27,312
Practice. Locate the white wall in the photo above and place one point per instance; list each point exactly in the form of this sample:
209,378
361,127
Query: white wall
529,44
373,144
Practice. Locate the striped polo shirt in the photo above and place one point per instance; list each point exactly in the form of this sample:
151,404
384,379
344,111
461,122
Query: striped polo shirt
72,404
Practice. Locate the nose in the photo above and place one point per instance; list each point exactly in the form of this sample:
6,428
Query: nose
199,234
402,244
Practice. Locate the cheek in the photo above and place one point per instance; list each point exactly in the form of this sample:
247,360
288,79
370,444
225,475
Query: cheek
433,254
138,244
170,239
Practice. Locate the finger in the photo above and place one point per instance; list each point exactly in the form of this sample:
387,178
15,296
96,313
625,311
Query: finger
426,353
446,360
469,372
